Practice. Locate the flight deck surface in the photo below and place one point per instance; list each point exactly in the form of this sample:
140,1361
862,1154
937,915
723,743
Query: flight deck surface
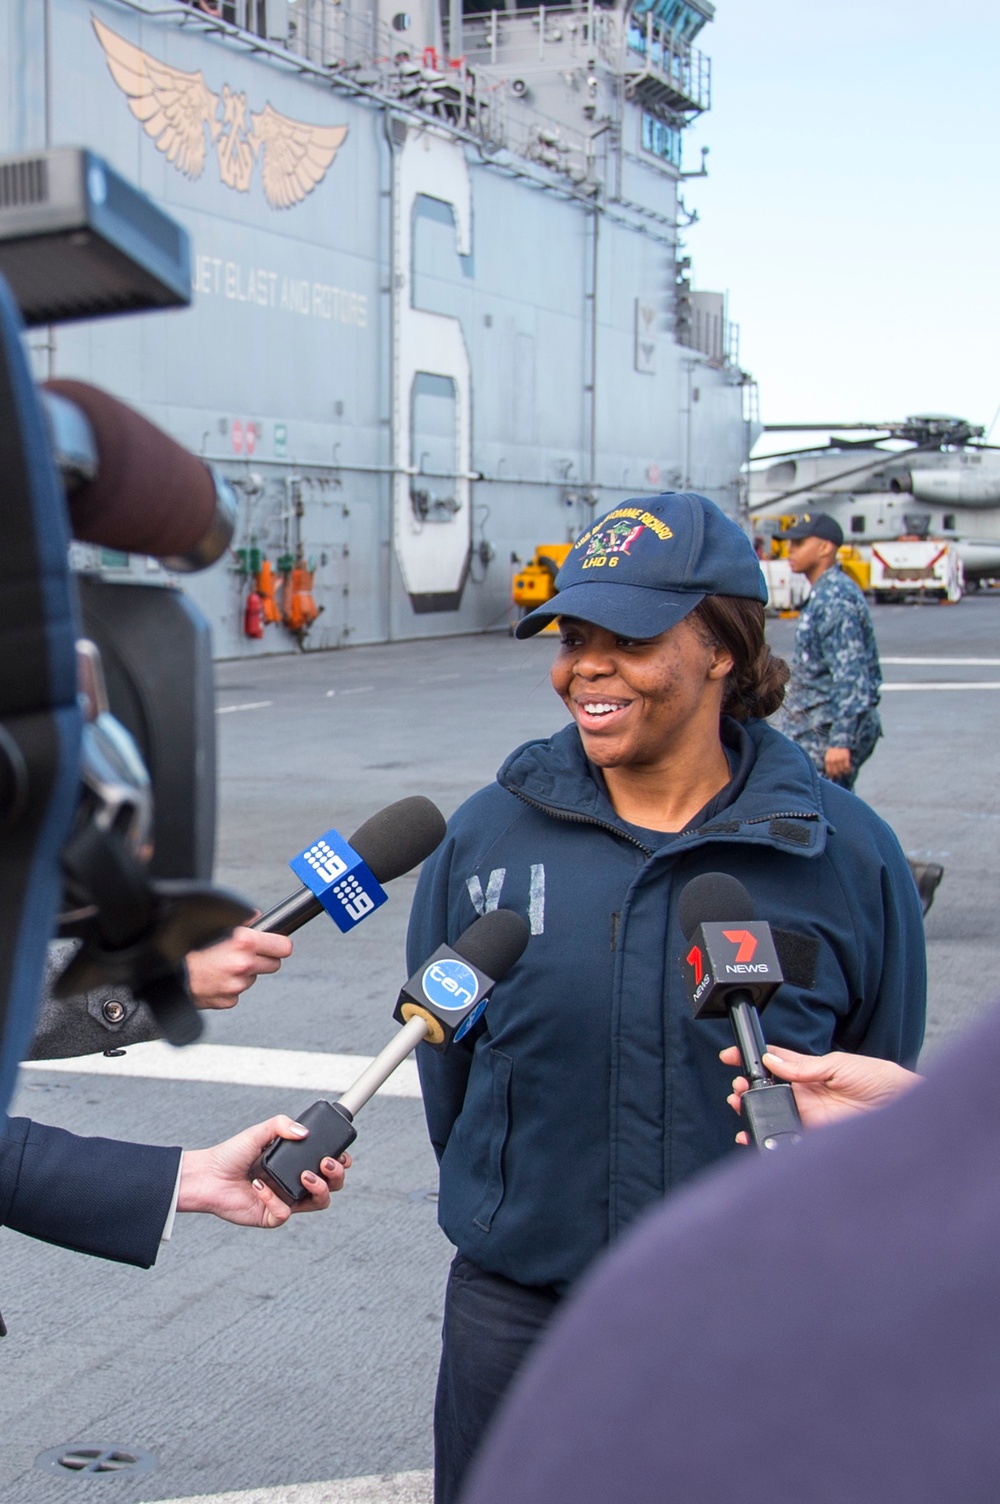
302,1361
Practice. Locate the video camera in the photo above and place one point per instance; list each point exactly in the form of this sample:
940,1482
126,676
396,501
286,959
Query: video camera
107,724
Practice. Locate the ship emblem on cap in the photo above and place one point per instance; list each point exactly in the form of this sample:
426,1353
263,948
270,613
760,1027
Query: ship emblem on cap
616,539
174,108
614,535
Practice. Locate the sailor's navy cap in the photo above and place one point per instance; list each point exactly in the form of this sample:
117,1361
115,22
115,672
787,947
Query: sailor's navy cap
816,525
642,567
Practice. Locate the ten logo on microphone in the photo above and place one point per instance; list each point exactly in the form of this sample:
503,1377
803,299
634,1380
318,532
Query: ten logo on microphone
450,984
336,875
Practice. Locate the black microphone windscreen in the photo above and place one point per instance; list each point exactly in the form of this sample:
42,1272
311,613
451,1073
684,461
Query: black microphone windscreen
399,837
713,898
494,942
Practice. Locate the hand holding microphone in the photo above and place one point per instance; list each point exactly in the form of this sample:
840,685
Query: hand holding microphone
387,845
732,969
440,1003
345,877
828,1087
219,975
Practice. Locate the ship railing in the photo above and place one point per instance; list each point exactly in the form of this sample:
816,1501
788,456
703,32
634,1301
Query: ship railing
659,67
344,40
327,33
529,133
531,37
341,36
654,61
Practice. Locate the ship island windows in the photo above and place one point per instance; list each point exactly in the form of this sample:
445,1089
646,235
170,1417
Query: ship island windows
661,139
680,17
858,523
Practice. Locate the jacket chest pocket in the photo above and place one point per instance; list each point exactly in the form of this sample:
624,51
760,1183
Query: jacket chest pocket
501,1066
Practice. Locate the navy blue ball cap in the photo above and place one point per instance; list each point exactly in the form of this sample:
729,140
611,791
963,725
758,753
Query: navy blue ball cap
816,525
643,566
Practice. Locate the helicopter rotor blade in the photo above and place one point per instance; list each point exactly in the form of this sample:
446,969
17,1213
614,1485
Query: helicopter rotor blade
790,454
828,427
828,480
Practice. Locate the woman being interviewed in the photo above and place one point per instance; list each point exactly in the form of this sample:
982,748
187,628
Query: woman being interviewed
589,1090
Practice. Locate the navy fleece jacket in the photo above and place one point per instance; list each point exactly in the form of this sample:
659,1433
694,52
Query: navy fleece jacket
588,1091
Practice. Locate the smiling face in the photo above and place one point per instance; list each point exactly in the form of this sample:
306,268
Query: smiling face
640,703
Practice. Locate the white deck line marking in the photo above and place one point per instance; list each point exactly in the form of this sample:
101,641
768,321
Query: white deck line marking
950,662
235,1065
959,684
385,1488
250,705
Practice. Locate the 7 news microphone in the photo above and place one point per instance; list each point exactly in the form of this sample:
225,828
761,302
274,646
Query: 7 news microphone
732,969
439,1004
345,877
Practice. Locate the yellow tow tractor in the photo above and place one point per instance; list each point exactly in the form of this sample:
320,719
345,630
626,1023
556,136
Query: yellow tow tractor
536,583
856,563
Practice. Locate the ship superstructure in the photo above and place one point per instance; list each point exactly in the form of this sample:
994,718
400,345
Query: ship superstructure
442,307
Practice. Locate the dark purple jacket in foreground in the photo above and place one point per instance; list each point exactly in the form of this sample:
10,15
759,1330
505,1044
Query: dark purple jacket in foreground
819,1328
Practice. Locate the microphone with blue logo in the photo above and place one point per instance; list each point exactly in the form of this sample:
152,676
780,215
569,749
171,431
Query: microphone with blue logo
345,878
440,1004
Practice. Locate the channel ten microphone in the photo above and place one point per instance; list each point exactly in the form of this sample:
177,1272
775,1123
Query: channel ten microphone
732,970
440,1003
345,877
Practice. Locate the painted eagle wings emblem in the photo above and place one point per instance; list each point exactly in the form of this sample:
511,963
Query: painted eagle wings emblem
175,107
294,157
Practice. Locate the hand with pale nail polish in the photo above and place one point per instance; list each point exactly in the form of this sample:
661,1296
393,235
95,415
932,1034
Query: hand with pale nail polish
215,1180
826,1087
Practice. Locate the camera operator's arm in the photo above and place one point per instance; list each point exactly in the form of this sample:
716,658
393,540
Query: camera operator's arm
827,1087
114,1199
105,1018
108,1018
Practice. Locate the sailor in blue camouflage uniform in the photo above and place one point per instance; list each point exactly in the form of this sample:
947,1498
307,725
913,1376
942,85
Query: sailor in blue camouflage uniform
831,707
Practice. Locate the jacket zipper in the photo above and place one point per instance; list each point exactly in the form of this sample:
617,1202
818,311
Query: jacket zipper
558,814
787,814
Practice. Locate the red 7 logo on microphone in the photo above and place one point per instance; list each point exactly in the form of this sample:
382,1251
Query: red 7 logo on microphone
694,959
745,941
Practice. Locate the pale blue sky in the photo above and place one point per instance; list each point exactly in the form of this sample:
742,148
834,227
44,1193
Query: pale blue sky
853,205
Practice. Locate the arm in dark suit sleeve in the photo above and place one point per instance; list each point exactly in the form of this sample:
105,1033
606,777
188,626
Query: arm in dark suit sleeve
91,1195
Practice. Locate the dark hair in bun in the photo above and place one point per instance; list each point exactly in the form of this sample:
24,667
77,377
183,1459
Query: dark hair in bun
756,685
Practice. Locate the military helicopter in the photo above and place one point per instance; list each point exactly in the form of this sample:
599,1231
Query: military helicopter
945,483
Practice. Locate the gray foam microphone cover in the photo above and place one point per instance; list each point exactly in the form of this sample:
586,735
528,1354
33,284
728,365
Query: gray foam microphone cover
714,898
493,943
399,837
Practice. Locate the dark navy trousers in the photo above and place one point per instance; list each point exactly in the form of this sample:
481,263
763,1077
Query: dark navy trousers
490,1324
